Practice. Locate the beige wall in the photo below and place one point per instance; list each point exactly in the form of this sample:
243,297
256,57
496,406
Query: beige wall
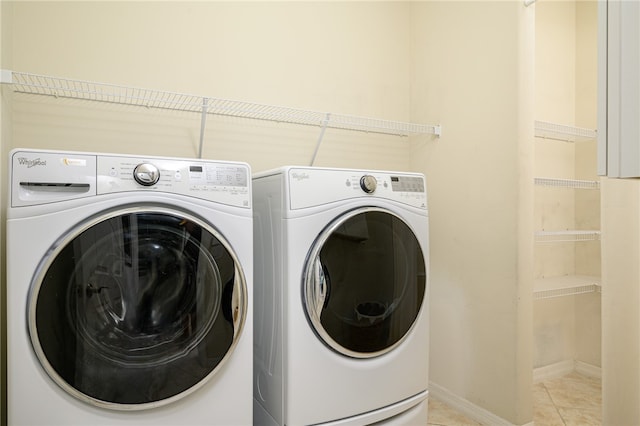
589,255
473,71
620,301
317,55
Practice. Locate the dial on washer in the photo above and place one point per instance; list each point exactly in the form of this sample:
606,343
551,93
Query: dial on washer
368,183
146,174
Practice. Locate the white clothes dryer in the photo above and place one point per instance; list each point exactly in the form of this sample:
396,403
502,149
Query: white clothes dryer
341,279
129,290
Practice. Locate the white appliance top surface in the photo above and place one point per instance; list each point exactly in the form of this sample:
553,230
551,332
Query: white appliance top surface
313,186
41,177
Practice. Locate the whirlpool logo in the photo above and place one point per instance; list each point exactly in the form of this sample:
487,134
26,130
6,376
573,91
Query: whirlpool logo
300,176
23,161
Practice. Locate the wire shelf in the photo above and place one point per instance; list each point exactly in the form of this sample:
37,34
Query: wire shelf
568,236
567,183
35,84
546,288
544,129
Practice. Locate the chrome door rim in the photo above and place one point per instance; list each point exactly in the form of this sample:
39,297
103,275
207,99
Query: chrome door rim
312,299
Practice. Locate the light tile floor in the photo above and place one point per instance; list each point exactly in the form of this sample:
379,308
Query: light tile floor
571,400
441,414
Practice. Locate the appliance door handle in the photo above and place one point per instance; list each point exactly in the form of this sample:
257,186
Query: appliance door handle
320,287
238,303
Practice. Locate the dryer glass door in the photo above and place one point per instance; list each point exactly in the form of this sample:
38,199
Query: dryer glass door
137,308
365,281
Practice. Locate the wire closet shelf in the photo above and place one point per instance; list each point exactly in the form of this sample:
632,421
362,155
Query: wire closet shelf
547,288
567,183
561,132
566,236
103,92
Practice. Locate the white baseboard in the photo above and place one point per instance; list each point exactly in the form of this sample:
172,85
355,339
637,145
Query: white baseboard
465,407
562,368
588,370
553,371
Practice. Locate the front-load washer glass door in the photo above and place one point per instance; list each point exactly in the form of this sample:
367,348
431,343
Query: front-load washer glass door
364,282
137,308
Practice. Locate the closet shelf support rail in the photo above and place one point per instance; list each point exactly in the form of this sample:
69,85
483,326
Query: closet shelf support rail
203,122
103,92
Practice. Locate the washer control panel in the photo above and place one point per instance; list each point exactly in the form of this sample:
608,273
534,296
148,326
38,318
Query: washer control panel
42,177
224,182
311,187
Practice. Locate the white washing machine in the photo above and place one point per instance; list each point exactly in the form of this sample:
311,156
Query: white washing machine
341,279
129,290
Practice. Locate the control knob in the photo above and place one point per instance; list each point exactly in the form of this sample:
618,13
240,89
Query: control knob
146,174
368,183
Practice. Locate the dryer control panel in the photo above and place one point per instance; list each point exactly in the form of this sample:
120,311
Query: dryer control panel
311,186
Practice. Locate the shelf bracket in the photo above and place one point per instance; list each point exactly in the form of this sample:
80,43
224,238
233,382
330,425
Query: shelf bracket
203,122
6,76
325,123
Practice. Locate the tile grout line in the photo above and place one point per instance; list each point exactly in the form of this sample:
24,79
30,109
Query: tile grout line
554,403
